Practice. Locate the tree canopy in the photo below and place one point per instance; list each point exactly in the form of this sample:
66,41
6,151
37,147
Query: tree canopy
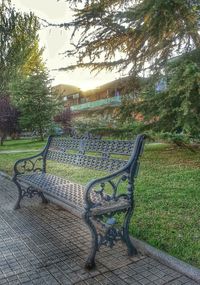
22,66
32,96
145,35
175,108
18,42
133,35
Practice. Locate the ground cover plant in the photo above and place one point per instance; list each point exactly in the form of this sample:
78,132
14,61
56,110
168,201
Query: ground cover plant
167,196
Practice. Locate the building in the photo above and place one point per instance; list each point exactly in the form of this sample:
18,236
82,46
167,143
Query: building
100,107
107,95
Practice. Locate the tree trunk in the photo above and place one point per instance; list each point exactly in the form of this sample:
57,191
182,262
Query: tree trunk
41,133
2,138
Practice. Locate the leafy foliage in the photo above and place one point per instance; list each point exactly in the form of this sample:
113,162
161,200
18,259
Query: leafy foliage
34,61
32,95
18,41
177,108
22,70
133,35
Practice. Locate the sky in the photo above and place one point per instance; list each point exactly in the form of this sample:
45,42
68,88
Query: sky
56,40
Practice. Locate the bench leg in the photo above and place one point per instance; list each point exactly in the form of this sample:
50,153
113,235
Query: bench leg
17,205
90,262
44,199
131,249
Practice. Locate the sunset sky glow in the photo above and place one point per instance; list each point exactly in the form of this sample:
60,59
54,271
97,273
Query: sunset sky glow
57,40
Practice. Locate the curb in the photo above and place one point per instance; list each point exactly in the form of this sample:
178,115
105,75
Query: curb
176,264
4,175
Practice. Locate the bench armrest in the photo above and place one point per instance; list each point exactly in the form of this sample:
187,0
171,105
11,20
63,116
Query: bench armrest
35,163
109,190
111,187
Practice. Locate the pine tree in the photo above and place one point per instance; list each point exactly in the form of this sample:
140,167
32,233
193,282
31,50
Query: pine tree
32,96
176,108
133,35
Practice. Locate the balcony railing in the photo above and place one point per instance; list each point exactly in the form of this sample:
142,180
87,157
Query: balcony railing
89,105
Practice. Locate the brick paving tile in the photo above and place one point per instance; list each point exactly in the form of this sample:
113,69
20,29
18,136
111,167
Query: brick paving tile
43,244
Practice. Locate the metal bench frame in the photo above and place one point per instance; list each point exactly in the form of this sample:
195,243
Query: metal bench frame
101,214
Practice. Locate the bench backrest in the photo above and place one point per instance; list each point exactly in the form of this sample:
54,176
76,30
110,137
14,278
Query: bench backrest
94,153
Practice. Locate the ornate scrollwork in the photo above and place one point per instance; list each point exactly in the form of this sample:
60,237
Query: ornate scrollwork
29,165
108,230
110,238
86,135
30,192
112,194
115,196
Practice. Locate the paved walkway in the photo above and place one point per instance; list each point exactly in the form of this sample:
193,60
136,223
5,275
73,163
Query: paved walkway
43,244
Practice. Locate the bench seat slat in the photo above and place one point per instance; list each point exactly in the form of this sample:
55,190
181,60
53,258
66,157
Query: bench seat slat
70,193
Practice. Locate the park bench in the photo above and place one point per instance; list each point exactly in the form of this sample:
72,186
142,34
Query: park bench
101,200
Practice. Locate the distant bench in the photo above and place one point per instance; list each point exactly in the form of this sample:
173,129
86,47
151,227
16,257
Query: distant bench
100,200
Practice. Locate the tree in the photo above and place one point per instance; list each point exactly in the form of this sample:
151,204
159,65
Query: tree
18,41
64,118
176,108
133,35
34,61
32,96
8,119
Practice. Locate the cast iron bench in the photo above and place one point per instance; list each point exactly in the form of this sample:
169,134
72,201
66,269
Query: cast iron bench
101,200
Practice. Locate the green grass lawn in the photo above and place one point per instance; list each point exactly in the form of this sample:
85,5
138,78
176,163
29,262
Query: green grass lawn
22,144
167,212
